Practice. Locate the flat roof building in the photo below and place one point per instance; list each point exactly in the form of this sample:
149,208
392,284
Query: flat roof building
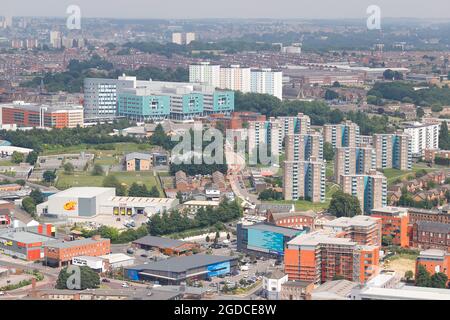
165,245
26,243
179,269
265,239
92,201
320,256
34,115
61,253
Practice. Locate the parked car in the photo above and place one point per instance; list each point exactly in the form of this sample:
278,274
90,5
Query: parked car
130,251
106,280
144,255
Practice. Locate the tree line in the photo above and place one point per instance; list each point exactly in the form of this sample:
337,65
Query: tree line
319,112
175,221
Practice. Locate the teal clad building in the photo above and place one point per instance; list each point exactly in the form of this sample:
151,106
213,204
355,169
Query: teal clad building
223,102
152,100
142,108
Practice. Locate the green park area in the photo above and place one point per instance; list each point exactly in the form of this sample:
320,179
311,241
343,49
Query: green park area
304,205
106,155
86,179
395,175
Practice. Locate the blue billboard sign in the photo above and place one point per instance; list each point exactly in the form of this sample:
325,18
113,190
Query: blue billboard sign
217,269
266,241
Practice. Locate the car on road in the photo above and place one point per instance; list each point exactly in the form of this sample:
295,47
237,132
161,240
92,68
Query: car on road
144,255
130,251
106,280
244,268
125,285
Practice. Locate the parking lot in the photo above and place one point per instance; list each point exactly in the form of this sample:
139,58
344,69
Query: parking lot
248,273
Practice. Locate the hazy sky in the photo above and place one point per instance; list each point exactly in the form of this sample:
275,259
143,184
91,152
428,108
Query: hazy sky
191,9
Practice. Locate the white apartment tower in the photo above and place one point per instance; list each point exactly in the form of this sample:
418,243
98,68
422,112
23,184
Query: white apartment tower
235,78
205,73
267,81
423,136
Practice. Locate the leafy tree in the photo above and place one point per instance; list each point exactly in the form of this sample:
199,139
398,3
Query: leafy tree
439,280
160,138
94,135
392,75
344,205
180,196
174,221
49,176
331,95
97,170
17,157
436,107
111,181
208,239
32,157
328,152
228,236
154,192
138,190
270,194
336,84
423,278
29,205
409,275
444,137
21,182
89,279
68,168
37,196
420,113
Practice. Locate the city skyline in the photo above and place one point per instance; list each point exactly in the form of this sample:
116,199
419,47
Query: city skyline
252,9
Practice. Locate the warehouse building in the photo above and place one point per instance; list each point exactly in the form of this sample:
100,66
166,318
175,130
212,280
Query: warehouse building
176,270
165,245
26,243
92,201
104,263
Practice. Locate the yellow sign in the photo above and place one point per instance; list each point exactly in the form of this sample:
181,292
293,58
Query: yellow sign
70,206
6,243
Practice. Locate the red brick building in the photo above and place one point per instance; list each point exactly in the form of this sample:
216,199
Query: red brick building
297,220
431,235
61,253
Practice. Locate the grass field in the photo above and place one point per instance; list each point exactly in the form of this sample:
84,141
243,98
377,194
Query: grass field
85,179
329,169
5,163
303,205
120,148
394,174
